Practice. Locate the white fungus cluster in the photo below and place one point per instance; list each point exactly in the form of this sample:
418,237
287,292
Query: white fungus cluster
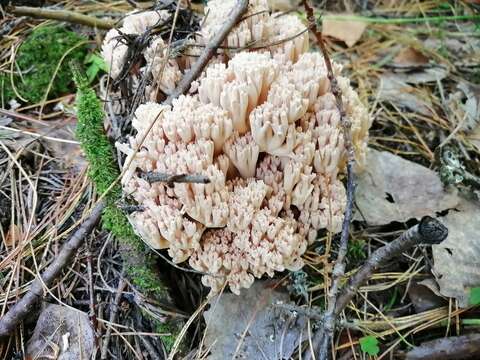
264,128
166,72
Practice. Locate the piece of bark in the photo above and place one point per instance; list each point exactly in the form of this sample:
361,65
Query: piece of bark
455,347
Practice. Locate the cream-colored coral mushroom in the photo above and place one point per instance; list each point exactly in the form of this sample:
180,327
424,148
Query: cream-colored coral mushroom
258,69
114,51
243,153
212,123
272,131
284,94
211,86
183,233
166,72
309,75
254,27
114,47
139,22
145,225
236,98
244,201
264,128
325,207
288,37
206,203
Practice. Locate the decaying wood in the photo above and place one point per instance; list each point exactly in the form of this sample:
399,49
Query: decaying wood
455,347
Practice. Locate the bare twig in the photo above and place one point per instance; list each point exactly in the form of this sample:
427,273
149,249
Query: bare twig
113,316
63,15
22,308
91,293
328,326
153,177
235,15
428,232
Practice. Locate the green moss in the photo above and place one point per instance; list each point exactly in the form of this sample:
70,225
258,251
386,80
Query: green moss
37,59
144,278
103,171
140,268
168,328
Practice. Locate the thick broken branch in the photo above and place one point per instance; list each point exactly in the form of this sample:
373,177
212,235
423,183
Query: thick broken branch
455,347
22,308
235,15
428,232
324,336
63,15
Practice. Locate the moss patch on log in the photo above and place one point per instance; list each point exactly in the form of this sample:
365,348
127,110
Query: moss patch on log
104,172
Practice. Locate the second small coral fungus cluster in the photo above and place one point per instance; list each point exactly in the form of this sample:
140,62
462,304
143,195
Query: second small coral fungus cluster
263,126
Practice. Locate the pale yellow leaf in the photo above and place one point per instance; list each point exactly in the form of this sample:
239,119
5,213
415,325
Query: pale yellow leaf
347,31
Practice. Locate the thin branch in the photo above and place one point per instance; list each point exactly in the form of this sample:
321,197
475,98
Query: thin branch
63,15
24,307
328,326
113,316
428,232
170,179
235,16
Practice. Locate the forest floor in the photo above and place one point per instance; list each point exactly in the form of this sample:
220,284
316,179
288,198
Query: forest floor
415,64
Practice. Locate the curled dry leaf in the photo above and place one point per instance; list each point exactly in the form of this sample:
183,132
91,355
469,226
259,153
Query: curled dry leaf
395,90
423,298
460,251
271,332
347,31
395,189
464,106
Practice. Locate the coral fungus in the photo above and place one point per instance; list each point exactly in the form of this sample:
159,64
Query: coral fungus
263,126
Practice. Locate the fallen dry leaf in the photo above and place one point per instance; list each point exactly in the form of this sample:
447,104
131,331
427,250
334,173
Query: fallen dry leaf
474,137
347,31
271,331
14,235
457,258
424,299
61,334
464,105
410,57
282,5
423,75
393,89
395,189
